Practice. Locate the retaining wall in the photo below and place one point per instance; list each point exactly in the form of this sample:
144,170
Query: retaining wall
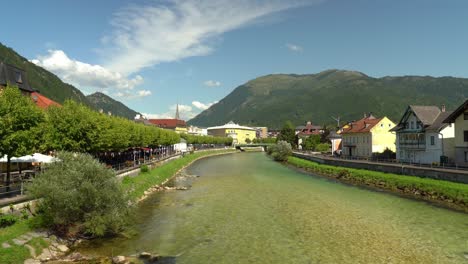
433,173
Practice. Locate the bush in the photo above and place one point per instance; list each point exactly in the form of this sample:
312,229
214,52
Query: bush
281,151
322,147
80,194
144,168
7,220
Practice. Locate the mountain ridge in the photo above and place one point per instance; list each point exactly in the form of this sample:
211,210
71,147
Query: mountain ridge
272,99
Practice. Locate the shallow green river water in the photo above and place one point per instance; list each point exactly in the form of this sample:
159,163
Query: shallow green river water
245,208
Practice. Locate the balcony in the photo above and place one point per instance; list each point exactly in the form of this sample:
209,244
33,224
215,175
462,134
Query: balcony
416,145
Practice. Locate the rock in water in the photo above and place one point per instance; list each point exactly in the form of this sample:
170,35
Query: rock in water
119,260
145,255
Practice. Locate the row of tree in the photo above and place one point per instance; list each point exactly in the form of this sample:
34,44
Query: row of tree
193,139
25,129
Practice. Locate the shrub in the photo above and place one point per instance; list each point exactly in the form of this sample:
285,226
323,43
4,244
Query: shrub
281,151
322,147
80,193
144,168
7,220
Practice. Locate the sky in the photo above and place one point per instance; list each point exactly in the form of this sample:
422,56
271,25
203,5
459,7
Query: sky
152,55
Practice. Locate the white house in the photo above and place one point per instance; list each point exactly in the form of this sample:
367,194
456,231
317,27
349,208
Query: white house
422,137
459,118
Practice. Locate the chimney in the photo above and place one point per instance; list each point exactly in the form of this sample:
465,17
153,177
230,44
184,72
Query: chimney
443,108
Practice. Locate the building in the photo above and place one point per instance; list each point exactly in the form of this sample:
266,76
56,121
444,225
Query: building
366,136
41,101
197,131
335,140
14,76
238,133
176,124
262,132
459,119
422,137
306,131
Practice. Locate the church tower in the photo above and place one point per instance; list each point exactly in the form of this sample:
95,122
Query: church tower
177,112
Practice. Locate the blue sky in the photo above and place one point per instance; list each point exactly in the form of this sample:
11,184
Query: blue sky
154,54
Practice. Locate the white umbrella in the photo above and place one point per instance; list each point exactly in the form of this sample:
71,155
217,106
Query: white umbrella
41,158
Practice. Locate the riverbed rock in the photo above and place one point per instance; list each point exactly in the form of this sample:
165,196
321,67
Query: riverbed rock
32,261
119,260
145,255
63,248
6,245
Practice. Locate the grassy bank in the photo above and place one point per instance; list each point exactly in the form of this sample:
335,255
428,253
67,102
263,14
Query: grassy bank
454,195
139,184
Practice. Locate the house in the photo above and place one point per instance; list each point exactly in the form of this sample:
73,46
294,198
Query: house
459,119
335,139
366,136
41,101
14,76
422,137
197,131
176,124
262,132
239,134
308,129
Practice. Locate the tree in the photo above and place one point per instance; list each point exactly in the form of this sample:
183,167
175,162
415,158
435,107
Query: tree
311,142
20,119
288,134
80,195
281,151
248,141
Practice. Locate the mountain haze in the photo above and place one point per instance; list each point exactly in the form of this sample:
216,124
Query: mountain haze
273,99
107,104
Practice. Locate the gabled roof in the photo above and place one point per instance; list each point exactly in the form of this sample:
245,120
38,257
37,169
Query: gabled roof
430,116
460,110
42,101
231,125
168,123
310,129
426,114
363,125
11,75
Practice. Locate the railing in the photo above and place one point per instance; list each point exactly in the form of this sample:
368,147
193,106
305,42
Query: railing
435,165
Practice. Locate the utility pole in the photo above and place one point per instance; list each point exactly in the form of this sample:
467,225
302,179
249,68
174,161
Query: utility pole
337,119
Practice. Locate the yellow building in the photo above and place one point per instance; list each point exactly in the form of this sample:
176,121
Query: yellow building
368,135
238,133
460,118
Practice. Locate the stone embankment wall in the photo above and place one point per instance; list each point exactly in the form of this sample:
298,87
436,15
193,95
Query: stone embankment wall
433,173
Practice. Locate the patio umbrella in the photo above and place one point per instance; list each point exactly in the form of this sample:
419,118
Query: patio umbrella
41,158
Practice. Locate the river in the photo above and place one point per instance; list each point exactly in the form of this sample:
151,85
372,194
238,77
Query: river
245,208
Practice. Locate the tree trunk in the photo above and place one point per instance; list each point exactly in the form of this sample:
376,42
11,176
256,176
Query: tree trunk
8,174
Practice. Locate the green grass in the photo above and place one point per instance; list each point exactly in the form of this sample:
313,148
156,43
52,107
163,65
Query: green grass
434,189
144,181
15,254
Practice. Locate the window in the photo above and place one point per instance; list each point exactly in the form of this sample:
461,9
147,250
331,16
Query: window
466,156
18,77
412,124
432,140
465,116
465,135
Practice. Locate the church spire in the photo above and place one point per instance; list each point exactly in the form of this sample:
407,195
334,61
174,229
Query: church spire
177,112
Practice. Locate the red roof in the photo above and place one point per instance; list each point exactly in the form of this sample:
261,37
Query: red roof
168,123
362,126
42,101
310,129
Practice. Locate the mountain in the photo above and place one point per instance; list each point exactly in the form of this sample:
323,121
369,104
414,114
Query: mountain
107,104
273,99
40,79
52,87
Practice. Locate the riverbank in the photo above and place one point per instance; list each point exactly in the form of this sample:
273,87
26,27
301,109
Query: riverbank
448,194
141,186
12,248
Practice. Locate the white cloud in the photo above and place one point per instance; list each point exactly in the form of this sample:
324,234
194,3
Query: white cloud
186,112
83,74
129,94
293,47
211,83
147,35
203,106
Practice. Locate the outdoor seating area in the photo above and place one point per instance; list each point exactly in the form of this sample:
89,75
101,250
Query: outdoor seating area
22,170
